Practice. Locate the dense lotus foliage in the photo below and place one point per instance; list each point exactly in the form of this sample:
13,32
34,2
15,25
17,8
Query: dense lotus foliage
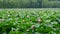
28,21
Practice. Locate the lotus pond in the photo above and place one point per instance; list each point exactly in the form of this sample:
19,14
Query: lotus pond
29,21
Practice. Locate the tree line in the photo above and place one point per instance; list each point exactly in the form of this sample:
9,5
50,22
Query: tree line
29,3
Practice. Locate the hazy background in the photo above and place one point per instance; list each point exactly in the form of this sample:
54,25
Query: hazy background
29,3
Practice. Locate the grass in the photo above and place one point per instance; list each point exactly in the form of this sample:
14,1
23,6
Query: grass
30,21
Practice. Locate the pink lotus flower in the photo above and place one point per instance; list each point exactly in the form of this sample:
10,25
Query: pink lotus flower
1,20
33,26
39,19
